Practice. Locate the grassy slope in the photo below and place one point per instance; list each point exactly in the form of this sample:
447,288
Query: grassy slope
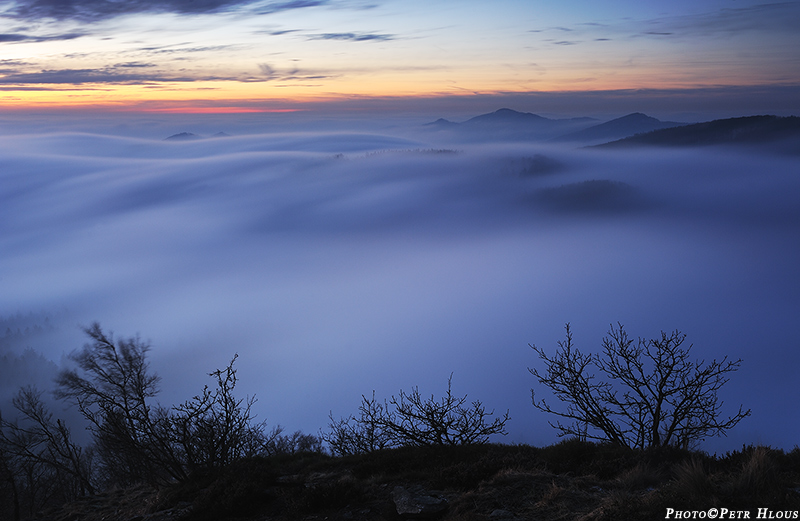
569,480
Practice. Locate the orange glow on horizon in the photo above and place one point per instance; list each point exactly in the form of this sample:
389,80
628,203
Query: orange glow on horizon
211,110
232,97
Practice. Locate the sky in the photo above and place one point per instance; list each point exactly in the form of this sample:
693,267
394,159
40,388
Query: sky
242,56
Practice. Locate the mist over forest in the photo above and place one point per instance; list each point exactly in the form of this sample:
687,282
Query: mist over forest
340,261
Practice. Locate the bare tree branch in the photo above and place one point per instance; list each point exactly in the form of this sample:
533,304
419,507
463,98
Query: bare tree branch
411,420
652,394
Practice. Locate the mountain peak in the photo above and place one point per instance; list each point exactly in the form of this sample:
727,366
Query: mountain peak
183,136
441,122
634,123
507,115
638,117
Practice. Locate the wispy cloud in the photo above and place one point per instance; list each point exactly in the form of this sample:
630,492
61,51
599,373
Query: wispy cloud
135,65
20,76
270,73
277,7
109,75
25,38
772,18
95,10
182,48
352,37
781,17
276,32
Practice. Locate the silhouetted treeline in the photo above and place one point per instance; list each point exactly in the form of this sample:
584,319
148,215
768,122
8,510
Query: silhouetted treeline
654,397
134,438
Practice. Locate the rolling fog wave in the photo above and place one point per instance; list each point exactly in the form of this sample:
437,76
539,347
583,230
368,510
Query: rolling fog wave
339,263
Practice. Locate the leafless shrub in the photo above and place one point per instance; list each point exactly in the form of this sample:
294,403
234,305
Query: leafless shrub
654,394
112,387
214,428
38,458
359,435
295,443
140,441
411,420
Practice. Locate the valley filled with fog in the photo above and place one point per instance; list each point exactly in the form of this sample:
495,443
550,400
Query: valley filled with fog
337,263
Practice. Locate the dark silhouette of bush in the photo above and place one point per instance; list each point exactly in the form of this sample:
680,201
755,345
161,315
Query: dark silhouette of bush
40,464
214,428
653,395
359,435
141,441
411,420
112,388
298,442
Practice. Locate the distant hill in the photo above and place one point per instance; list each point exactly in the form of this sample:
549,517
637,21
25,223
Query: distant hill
750,130
507,124
636,123
505,117
183,136
441,123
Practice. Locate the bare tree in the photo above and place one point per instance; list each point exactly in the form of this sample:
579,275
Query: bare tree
39,459
139,440
112,387
653,394
411,420
359,435
215,428
10,501
295,443
418,421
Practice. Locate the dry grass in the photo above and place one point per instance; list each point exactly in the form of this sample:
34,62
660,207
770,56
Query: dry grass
643,476
759,472
568,481
692,480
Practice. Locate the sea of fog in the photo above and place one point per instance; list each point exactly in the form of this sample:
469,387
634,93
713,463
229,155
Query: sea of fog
340,263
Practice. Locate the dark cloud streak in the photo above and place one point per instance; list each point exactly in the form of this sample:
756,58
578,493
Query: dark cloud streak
83,76
352,37
95,10
25,38
288,6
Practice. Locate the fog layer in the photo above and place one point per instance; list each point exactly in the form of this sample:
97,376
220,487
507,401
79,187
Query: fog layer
338,263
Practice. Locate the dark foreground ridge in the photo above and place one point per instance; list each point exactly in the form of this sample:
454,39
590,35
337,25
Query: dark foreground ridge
734,131
570,480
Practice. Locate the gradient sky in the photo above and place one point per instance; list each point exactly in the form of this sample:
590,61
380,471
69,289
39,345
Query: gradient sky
245,55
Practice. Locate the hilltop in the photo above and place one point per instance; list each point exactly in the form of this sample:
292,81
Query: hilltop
569,480
508,124
636,129
636,123
750,130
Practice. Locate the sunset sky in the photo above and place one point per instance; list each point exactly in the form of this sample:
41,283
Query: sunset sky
262,56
